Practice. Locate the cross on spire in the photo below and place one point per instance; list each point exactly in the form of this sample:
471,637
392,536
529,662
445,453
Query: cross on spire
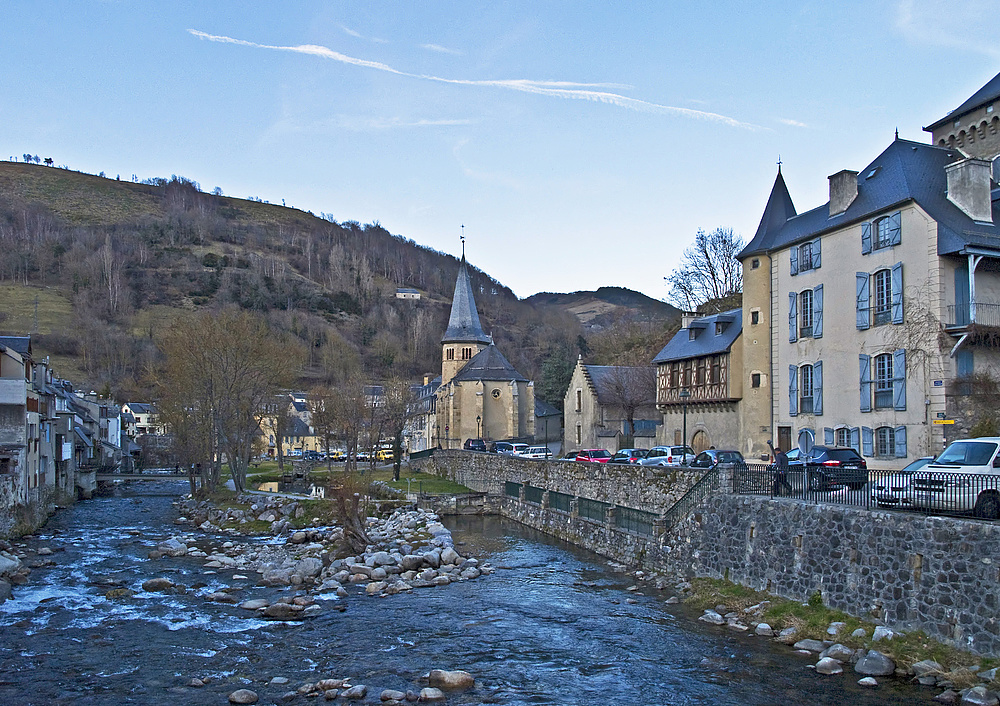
779,164
463,241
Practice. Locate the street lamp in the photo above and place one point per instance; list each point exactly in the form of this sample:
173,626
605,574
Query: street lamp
684,394
479,420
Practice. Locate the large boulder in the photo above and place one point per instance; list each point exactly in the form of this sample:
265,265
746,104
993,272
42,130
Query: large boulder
8,563
308,567
828,665
875,664
158,584
979,696
243,696
431,693
172,547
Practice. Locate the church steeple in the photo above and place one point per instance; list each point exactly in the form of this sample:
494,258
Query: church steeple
463,325
778,210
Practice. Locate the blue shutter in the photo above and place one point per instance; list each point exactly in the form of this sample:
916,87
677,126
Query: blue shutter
897,293
895,221
863,314
900,442
866,238
793,259
962,295
818,387
793,318
865,365
828,437
793,390
965,361
899,379
818,311
867,441
855,439
816,254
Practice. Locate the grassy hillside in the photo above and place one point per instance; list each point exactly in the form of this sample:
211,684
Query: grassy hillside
112,262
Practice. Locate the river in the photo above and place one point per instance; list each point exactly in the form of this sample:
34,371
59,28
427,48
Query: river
552,625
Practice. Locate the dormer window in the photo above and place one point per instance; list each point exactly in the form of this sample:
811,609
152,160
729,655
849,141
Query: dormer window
692,334
719,328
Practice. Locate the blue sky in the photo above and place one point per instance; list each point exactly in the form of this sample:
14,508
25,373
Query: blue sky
580,144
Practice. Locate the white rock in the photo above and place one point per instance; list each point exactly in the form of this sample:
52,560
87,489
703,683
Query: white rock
828,665
764,630
867,681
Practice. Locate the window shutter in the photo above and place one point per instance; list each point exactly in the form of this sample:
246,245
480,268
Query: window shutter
897,293
895,221
816,254
855,434
793,257
793,390
793,318
866,238
863,315
900,442
864,363
899,379
818,311
965,362
828,437
818,387
867,441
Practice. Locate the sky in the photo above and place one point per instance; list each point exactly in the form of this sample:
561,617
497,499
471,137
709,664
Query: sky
580,144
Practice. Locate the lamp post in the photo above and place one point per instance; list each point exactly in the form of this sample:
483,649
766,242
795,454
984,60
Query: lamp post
684,394
479,420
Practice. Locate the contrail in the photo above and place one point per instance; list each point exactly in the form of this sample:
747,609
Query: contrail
559,89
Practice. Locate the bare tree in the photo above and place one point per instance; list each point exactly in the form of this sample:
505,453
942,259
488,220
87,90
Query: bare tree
709,270
397,398
630,389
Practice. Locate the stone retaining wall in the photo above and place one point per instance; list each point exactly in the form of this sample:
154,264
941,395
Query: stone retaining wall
22,510
936,574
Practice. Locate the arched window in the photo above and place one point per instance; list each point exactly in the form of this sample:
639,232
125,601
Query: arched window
806,313
882,286
883,381
885,441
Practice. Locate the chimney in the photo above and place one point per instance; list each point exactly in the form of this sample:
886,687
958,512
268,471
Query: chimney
427,380
687,317
843,190
969,188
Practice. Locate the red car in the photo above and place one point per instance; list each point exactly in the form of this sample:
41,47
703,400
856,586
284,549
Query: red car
594,455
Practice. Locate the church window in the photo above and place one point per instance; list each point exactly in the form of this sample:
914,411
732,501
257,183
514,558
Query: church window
466,353
449,354
579,401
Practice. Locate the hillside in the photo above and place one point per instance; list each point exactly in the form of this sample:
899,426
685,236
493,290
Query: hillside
95,267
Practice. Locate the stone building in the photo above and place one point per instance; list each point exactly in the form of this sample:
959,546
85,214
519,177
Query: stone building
696,386
481,394
867,313
599,401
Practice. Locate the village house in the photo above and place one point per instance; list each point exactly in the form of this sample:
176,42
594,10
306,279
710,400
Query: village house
911,244
599,401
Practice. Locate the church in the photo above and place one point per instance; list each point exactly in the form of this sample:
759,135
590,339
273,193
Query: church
482,396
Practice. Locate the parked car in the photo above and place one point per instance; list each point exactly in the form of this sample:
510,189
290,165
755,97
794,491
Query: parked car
536,452
502,447
713,457
385,455
668,456
889,490
571,456
519,448
594,455
312,456
964,478
832,467
630,456
474,445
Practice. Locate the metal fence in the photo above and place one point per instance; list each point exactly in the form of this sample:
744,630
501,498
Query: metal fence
512,490
695,494
638,521
592,509
925,492
560,501
533,494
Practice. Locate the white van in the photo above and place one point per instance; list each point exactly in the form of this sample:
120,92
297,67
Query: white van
964,478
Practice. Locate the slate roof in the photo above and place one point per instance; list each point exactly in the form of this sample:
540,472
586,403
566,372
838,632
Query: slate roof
300,406
985,95
489,364
544,409
603,378
463,325
905,171
19,344
142,407
298,428
706,342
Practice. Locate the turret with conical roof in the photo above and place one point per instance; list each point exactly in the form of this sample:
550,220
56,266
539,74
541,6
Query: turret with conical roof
464,337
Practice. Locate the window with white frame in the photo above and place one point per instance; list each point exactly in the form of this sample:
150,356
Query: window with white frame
842,436
885,441
806,256
806,313
806,389
882,286
883,381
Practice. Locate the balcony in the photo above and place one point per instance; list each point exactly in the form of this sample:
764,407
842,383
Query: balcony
13,391
978,314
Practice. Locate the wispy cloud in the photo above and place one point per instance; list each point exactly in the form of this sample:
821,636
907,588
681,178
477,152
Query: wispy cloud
361,124
946,23
793,123
348,30
440,49
593,92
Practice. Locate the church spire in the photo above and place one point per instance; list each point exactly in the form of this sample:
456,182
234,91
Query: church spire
779,207
463,325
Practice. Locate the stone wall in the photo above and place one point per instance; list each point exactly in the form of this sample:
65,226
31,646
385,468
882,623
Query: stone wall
21,510
936,574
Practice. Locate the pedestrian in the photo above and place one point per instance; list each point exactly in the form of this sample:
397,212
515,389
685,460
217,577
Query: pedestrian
781,485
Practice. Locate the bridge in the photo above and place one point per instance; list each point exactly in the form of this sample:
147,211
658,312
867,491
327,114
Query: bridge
151,474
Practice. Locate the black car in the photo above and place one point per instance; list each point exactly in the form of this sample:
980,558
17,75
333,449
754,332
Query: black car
713,457
832,467
631,456
474,445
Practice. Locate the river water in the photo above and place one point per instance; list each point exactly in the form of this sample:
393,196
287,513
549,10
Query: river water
553,625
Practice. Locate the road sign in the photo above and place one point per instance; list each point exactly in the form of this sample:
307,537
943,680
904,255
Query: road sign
943,421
